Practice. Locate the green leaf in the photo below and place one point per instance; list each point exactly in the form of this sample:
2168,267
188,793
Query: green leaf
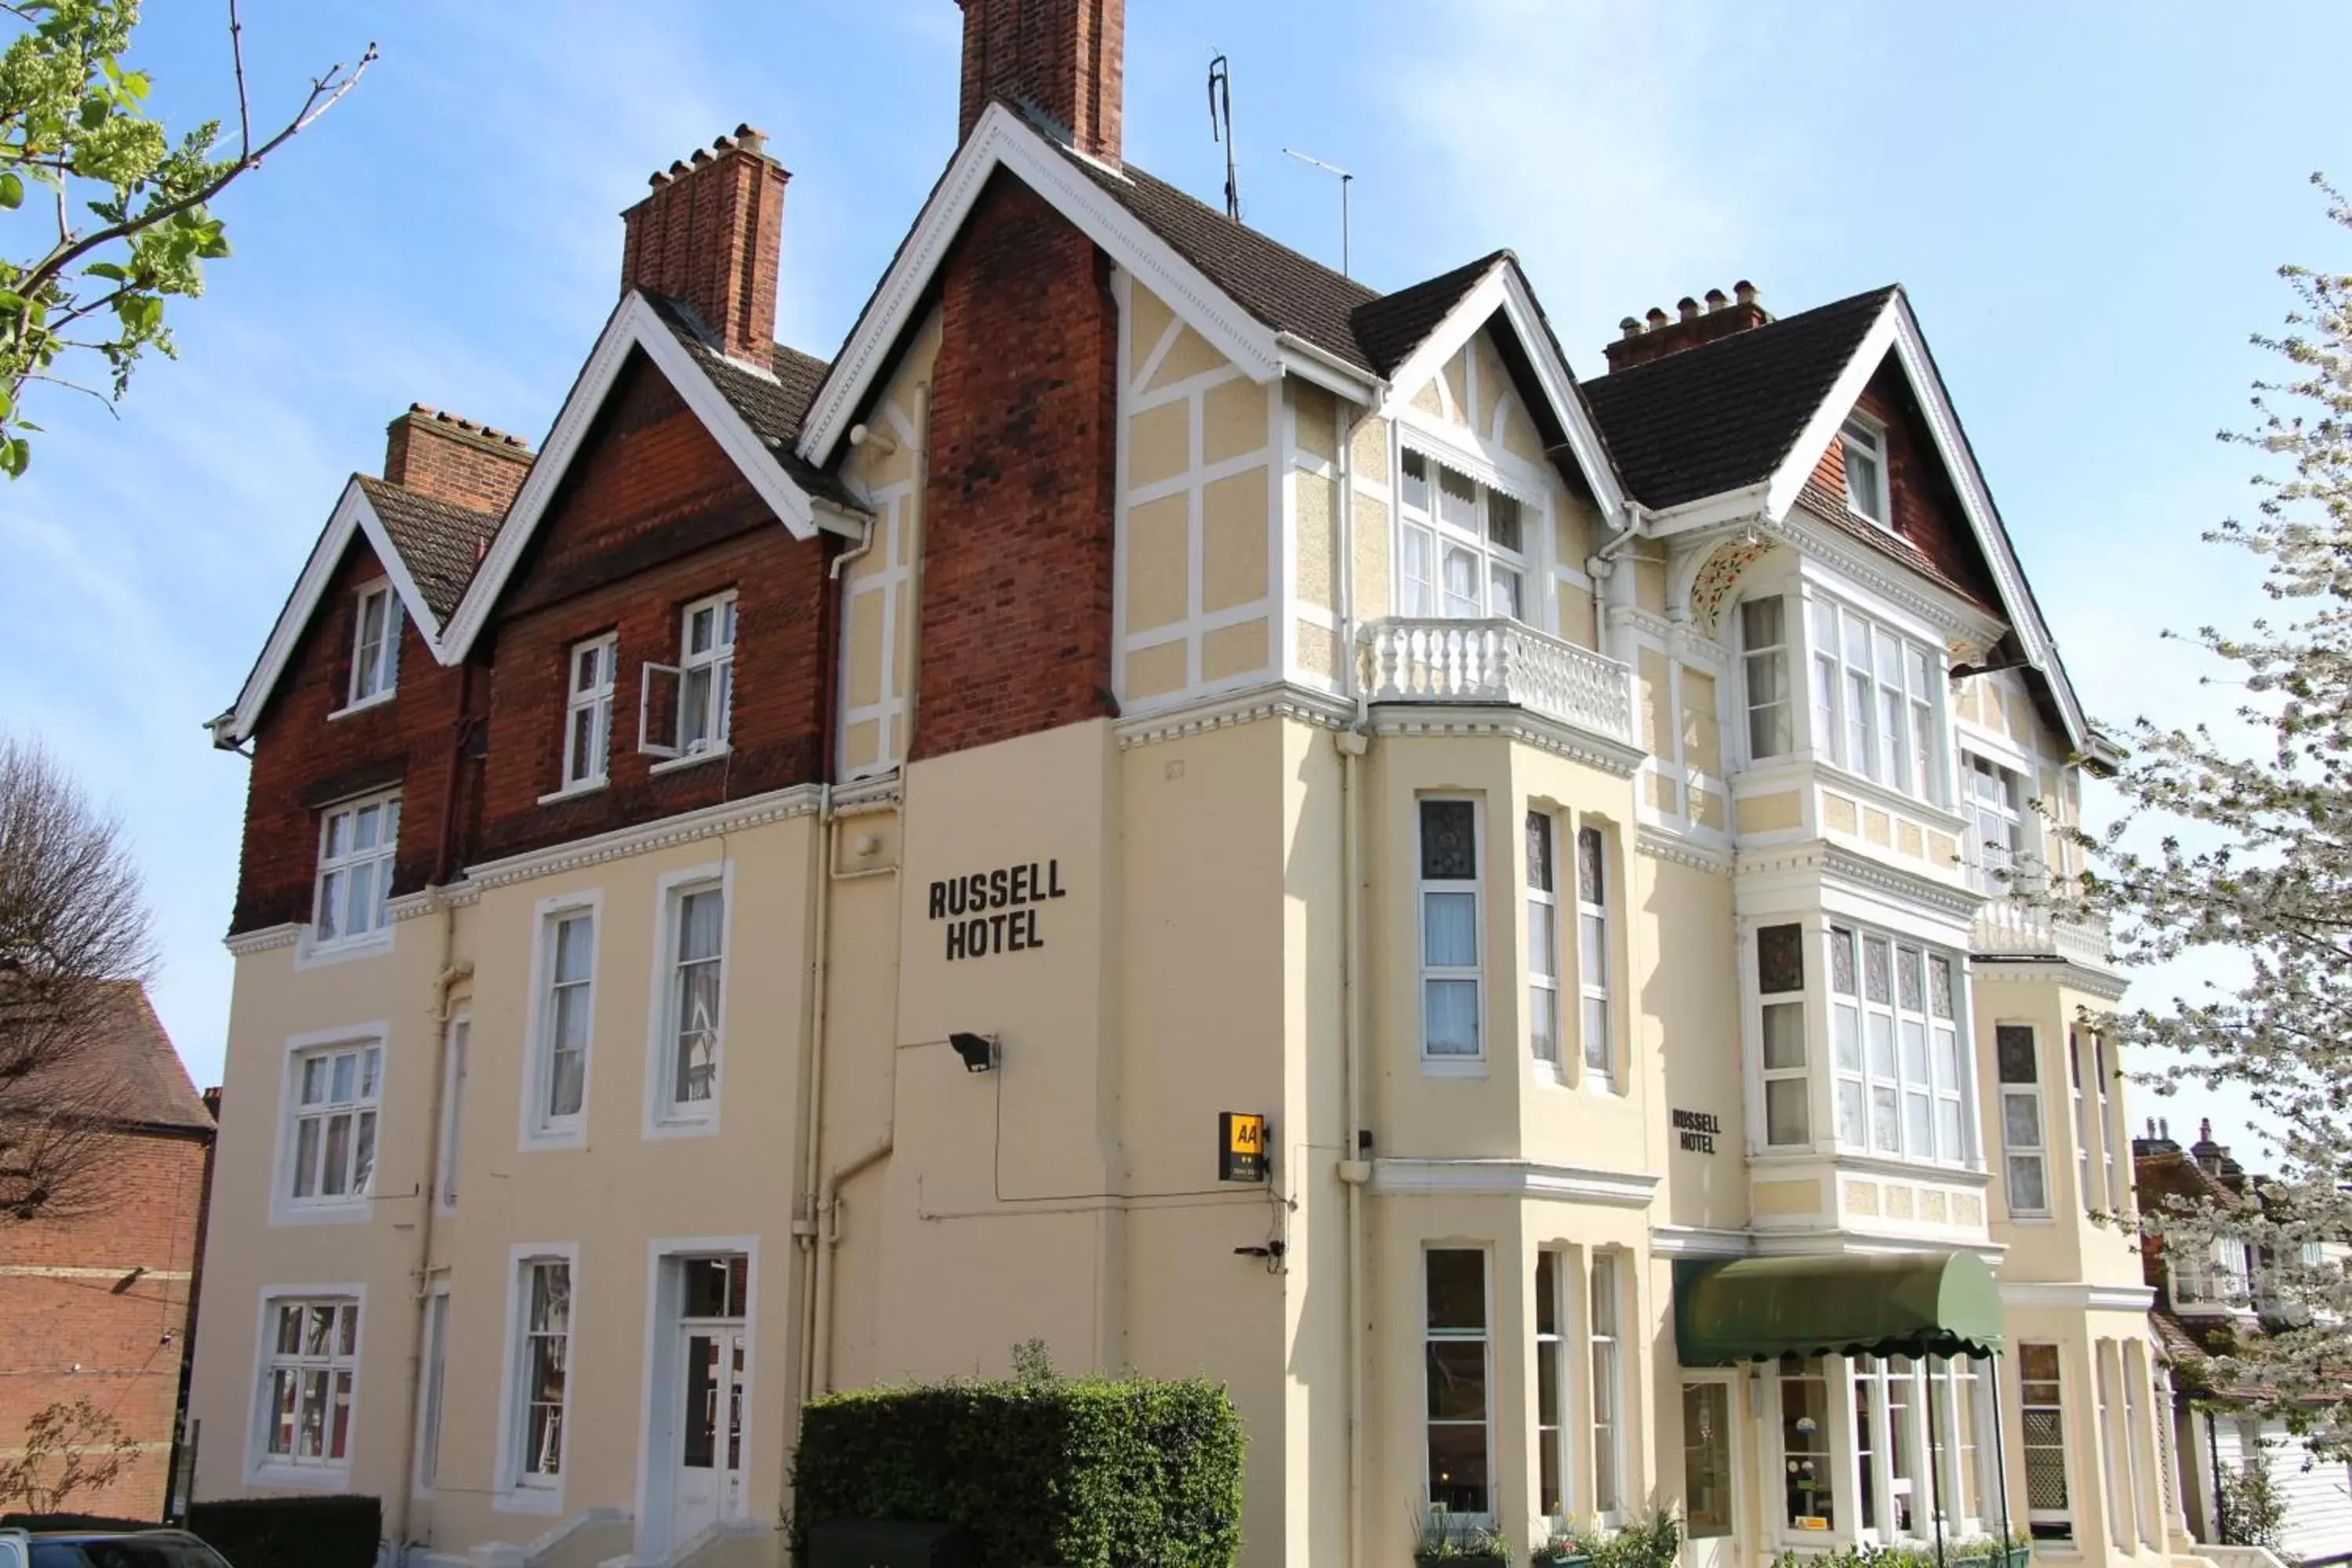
108,270
12,189
14,457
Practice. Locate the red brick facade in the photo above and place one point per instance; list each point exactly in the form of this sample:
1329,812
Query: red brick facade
1066,58
96,1309
304,759
1927,514
708,235
1016,609
653,516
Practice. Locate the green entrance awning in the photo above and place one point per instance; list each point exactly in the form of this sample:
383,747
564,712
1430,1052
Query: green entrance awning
1757,1309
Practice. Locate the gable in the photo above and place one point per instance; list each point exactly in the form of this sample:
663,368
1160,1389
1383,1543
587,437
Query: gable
318,670
1927,516
647,484
1475,393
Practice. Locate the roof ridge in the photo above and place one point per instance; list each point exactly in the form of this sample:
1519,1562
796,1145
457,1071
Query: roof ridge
377,481
1681,357
1332,273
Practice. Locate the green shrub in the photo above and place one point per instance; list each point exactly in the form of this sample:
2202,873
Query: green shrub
291,1531
1079,1472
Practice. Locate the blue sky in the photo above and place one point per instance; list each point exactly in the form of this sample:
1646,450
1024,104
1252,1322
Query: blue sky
2086,203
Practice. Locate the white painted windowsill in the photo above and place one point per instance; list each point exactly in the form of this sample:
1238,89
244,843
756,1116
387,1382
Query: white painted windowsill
364,704
569,791
675,764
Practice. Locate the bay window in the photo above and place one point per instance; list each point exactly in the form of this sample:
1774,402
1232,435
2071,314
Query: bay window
1449,901
2022,1145
1460,1381
1878,701
1996,810
1901,1075
1592,952
1608,1390
1551,1391
1781,984
1543,943
1764,664
1809,1499
1465,551
1914,1444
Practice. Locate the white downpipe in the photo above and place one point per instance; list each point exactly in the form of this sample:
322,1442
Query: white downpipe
1353,1169
1601,567
829,1222
804,1228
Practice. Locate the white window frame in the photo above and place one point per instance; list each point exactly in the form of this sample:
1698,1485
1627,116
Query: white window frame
2014,1150
375,674
1918,1083
1605,1334
1996,811
358,1042
717,705
519,1490
1799,1072
1422,524
432,1389
597,660
1867,436
1756,657
460,1041
1864,670
666,1116
1830,1448
1544,1003
1950,1389
2076,1045
541,1128
1484,1337
1439,1064
1594,935
2038,1519
1554,1426
263,1468
333,874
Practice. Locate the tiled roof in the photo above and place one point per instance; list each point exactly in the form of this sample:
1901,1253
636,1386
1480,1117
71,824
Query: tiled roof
440,542
773,405
1273,282
1390,328
1726,415
128,1066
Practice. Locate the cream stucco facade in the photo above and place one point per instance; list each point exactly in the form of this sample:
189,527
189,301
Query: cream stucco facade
1434,828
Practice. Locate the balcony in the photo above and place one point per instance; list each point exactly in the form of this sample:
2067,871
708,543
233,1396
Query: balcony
2009,928
1496,663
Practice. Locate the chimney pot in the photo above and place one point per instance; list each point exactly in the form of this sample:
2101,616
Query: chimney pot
1629,327
1657,318
1744,292
1716,300
708,235
750,138
1687,307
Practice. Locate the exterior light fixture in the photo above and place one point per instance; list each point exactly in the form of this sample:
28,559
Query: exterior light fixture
978,1051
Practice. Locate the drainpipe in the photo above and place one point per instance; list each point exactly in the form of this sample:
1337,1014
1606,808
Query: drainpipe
2213,1453
1602,565
829,1219
812,1021
449,973
1354,1169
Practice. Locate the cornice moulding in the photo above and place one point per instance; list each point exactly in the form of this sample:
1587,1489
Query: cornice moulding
731,816
1512,1178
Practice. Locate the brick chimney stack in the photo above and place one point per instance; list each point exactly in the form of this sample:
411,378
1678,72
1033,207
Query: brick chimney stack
438,454
1065,59
1692,325
709,236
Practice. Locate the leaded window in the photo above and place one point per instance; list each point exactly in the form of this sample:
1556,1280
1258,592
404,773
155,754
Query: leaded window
1450,966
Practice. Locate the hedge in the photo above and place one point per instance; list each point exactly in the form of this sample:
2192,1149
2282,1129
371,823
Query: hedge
1080,1473
291,1531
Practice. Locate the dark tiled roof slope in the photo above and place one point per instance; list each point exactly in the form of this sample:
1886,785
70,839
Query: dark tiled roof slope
440,541
1390,328
1273,282
774,405
1726,414
129,1069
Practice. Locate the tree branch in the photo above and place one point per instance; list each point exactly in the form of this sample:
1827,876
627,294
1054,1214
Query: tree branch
237,58
326,92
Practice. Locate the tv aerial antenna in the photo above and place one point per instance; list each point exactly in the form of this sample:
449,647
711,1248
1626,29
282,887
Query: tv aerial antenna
1346,180
1221,129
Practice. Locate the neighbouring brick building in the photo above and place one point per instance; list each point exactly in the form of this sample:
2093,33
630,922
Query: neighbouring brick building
1578,815
96,1306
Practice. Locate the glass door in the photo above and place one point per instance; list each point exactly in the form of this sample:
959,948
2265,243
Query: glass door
1710,1504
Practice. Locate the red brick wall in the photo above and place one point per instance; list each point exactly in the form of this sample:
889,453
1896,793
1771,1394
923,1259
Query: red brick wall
1016,618
1067,58
653,516
111,1326
709,235
453,459
1926,510
302,758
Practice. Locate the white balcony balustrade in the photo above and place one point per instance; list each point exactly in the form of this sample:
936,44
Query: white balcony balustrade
1496,663
2007,926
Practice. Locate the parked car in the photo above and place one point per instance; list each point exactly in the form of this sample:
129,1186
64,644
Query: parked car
106,1549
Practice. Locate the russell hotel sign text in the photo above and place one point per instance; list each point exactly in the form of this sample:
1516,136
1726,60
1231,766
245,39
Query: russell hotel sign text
995,911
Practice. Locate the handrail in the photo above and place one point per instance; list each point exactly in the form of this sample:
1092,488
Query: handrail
1496,662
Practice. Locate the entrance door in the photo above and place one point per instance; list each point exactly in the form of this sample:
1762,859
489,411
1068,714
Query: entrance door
1710,1476
709,1456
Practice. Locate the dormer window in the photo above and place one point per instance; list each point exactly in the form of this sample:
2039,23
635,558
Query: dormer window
1465,546
1866,469
375,645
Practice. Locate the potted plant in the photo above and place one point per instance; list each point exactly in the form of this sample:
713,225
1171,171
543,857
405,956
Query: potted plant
1445,1541
1564,1546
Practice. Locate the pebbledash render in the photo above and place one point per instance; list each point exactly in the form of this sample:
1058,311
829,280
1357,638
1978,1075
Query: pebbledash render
779,889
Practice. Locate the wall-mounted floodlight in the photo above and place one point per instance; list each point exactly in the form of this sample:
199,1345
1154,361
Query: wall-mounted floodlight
978,1051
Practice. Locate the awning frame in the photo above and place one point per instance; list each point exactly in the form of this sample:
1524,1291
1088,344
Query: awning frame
1732,1311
